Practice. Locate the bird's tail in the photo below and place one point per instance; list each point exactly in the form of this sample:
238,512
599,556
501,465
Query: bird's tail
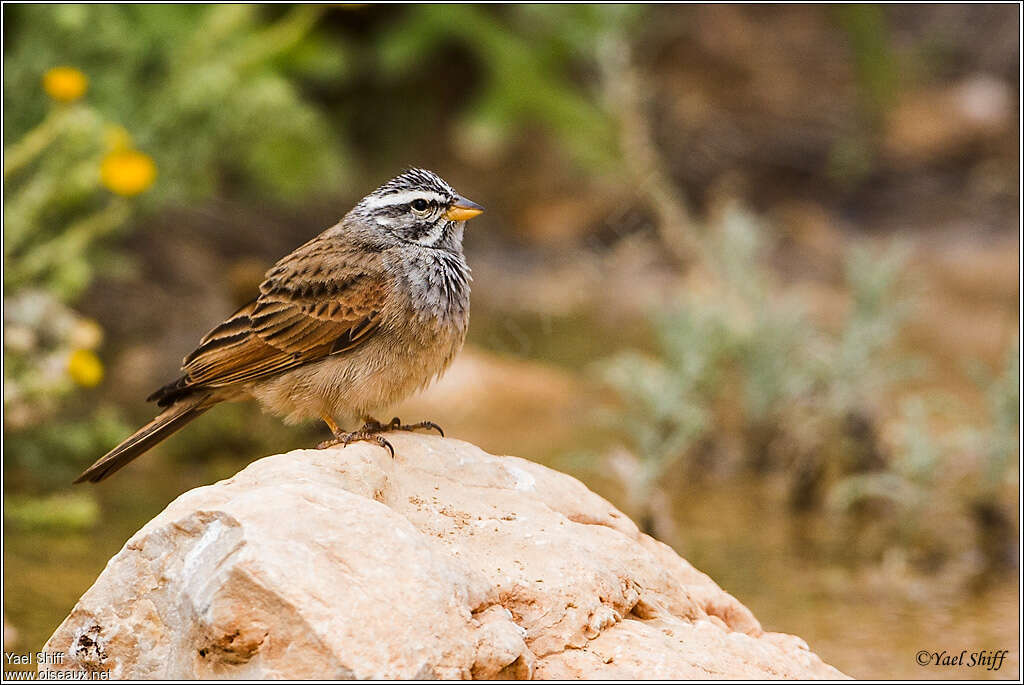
166,423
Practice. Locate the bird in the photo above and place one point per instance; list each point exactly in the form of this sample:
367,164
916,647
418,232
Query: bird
358,318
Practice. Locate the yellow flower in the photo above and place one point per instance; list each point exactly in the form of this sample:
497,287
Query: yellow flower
85,368
127,172
65,84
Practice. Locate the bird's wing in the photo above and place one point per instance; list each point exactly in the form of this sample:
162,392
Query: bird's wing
317,301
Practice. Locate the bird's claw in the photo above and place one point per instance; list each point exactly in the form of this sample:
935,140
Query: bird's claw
371,432
396,425
368,436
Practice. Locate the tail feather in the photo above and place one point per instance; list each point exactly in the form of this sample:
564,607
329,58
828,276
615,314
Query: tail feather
167,422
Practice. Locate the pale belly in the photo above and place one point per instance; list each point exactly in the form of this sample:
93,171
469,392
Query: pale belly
356,384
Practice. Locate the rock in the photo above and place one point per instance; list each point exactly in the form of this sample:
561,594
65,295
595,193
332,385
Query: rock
930,124
445,562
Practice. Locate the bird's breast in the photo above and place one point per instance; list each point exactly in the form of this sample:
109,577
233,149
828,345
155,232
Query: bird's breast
436,287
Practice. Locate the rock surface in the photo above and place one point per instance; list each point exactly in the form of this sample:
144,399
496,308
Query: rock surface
444,562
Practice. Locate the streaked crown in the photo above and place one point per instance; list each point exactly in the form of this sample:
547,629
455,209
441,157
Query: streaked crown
419,206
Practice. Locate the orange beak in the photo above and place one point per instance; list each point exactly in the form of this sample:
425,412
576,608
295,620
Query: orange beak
463,210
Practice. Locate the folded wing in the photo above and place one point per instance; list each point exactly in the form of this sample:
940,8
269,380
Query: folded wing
314,303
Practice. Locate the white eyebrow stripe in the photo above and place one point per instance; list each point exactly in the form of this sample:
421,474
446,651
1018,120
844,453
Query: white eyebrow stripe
401,198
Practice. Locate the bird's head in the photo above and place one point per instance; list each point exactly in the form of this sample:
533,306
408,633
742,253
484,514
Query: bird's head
418,206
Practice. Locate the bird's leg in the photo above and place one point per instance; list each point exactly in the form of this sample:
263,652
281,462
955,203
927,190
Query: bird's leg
335,431
371,432
396,425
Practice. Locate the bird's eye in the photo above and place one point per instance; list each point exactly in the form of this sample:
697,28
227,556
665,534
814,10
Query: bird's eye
419,205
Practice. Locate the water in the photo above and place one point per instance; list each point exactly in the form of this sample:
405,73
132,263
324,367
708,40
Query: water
868,619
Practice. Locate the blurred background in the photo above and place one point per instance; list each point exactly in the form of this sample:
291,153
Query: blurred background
749,272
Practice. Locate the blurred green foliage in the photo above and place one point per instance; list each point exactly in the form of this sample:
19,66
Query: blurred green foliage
60,512
524,61
854,156
745,345
991,448
999,439
908,477
55,211
207,91
204,92
867,30
49,455
741,359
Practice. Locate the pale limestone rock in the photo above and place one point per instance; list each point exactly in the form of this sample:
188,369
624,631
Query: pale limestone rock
444,562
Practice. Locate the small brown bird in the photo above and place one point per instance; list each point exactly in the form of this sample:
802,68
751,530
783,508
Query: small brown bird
369,311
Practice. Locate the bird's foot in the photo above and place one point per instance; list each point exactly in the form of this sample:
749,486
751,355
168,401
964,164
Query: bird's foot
371,432
396,425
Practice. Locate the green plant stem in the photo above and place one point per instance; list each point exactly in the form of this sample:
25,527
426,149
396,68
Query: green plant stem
23,207
279,37
72,241
19,154
625,93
